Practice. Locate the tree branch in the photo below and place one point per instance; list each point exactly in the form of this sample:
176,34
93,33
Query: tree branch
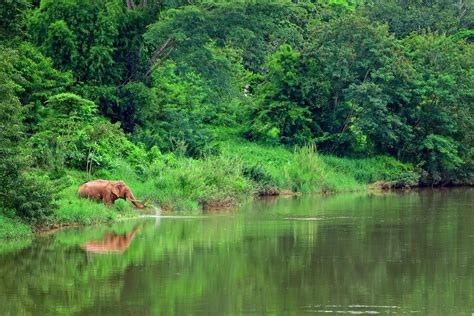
157,55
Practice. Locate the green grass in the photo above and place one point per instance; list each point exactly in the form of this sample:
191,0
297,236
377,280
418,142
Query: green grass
370,170
11,228
301,170
184,184
73,210
304,170
241,170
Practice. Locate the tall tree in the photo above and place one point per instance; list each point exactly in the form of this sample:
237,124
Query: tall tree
21,194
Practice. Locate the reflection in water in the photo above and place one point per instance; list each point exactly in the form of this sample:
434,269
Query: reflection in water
111,242
343,254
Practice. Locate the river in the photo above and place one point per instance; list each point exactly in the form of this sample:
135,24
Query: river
397,253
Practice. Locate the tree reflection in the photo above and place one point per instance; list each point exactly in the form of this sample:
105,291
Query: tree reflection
408,252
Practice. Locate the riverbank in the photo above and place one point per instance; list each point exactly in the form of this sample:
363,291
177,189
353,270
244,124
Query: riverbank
240,172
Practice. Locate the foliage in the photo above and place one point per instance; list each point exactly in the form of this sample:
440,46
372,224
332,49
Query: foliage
404,17
37,80
242,25
356,90
441,158
380,168
361,61
305,170
173,112
12,16
78,36
149,91
191,185
280,116
444,99
12,229
72,135
22,195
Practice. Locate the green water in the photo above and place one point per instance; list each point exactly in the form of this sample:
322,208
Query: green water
401,253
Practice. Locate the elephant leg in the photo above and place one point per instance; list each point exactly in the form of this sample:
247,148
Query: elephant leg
107,199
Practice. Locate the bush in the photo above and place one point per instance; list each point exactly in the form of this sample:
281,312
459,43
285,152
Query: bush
440,158
184,184
172,113
71,134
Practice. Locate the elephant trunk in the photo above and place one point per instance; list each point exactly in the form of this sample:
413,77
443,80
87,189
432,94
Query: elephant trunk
138,205
134,201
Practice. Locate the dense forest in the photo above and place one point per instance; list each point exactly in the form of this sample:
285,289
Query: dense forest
198,104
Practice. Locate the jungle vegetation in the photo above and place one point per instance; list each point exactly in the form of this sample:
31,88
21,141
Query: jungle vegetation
200,103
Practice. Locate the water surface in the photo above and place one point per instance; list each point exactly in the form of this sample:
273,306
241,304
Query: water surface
399,253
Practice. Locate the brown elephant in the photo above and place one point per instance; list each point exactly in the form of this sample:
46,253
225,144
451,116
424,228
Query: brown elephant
107,192
111,242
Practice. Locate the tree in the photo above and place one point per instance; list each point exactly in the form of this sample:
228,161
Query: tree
72,134
12,17
344,60
22,195
406,16
443,101
37,80
78,36
213,40
280,115
173,112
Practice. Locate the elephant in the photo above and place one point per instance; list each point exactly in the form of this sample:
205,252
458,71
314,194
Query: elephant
107,192
111,242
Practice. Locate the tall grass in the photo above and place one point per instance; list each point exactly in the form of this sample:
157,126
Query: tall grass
73,209
191,185
180,184
369,170
11,228
305,170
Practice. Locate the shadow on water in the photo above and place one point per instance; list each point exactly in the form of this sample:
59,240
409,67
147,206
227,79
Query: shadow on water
397,253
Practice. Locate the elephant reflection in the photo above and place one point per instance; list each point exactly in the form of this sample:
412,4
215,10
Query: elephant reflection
111,242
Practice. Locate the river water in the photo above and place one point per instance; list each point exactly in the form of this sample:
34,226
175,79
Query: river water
398,253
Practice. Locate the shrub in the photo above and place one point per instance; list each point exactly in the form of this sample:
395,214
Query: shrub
71,134
189,184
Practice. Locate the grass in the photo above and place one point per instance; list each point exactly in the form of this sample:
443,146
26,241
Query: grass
304,170
185,184
11,228
370,170
73,210
241,170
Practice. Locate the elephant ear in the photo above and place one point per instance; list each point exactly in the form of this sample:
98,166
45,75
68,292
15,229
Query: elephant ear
115,190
